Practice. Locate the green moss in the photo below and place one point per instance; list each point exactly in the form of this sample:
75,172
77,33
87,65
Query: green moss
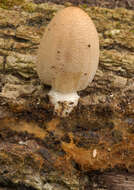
29,7
6,4
132,30
84,6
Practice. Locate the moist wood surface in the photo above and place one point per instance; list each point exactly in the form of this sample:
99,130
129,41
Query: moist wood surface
93,147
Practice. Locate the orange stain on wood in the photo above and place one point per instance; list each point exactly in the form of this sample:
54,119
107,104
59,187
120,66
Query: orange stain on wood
52,126
23,126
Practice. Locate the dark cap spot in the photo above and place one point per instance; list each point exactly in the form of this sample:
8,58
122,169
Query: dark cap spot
53,67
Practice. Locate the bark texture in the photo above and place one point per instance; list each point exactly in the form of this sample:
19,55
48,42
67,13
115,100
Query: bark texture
93,147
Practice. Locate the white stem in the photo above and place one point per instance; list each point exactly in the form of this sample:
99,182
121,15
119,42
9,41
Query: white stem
63,103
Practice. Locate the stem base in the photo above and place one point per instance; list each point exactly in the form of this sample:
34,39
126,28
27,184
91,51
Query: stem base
63,103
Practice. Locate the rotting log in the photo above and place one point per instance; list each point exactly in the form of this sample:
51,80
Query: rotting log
93,148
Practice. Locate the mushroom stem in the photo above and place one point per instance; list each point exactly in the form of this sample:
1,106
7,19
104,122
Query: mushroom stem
63,102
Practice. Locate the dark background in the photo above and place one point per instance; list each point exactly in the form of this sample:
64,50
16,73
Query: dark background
129,4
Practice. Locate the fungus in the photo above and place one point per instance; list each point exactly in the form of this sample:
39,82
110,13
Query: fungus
68,57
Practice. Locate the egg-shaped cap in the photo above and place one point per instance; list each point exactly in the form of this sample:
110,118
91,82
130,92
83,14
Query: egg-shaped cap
68,55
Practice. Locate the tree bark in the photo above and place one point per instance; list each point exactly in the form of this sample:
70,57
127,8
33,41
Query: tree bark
93,147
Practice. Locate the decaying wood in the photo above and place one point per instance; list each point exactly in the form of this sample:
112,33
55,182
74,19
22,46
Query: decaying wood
93,148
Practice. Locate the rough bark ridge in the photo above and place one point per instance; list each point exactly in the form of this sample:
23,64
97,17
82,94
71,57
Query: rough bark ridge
41,151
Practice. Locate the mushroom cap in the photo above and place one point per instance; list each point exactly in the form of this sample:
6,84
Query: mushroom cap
68,54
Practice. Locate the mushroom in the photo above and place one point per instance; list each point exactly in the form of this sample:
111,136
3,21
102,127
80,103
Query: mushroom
68,57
